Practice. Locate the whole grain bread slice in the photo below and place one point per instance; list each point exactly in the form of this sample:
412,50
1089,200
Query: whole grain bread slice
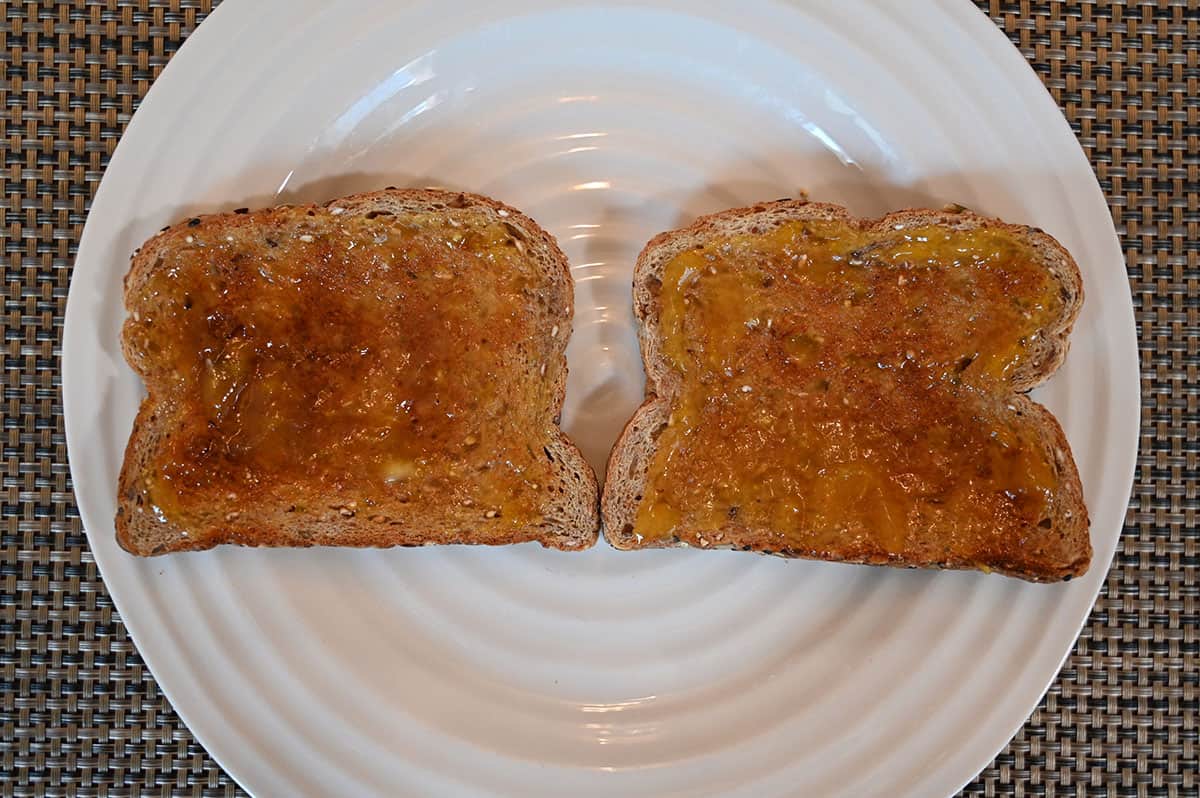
1059,548
346,299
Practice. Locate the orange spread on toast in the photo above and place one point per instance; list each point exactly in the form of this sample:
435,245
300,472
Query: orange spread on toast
848,390
352,359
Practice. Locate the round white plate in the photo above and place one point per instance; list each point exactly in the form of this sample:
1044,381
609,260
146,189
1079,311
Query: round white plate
519,671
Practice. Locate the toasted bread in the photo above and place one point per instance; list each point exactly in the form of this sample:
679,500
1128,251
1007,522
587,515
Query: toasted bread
827,387
386,369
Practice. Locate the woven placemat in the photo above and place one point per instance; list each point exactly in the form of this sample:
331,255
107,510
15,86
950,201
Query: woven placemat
82,716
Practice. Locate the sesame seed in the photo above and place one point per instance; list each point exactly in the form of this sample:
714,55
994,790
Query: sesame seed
554,331
337,211
746,389
542,370
229,239
307,239
502,212
901,280
189,239
491,514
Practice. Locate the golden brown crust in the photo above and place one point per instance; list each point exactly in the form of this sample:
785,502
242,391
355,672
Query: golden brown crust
568,517
630,458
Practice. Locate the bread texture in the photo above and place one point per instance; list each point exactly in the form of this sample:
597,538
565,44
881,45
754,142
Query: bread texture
1051,545
386,369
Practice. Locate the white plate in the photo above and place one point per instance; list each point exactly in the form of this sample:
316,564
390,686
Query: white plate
526,672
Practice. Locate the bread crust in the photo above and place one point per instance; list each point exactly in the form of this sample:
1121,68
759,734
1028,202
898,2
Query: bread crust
569,512
629,461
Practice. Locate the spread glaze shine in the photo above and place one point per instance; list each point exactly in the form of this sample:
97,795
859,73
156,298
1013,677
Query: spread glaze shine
851,391
349,355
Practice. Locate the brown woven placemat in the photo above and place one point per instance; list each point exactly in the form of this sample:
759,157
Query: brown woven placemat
80,715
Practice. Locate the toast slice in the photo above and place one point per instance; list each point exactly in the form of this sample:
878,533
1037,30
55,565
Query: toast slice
834,388
383,370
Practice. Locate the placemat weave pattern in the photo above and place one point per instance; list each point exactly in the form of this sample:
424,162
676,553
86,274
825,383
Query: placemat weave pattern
80,715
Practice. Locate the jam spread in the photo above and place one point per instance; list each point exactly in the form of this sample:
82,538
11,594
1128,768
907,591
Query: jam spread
850,391
365,359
